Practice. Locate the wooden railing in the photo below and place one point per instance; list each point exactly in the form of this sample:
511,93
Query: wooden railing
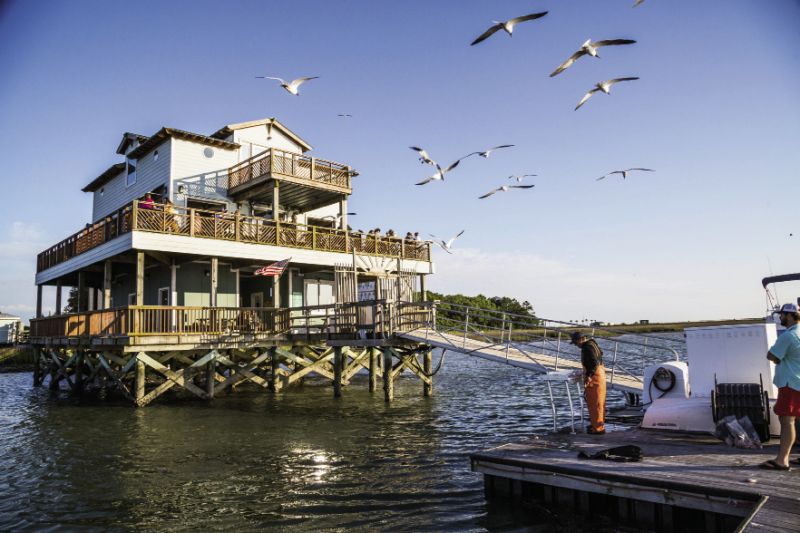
257,230
91,236
228,226
279,162
353,319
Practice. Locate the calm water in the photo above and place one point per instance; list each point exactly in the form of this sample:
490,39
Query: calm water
298,460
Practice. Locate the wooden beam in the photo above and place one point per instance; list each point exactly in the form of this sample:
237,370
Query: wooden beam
140,382
38,301
58,297
107,277
160,257
140,278
373,368
214,280
81,291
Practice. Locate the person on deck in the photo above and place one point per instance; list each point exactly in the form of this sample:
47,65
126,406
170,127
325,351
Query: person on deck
785,353
148,202
594,381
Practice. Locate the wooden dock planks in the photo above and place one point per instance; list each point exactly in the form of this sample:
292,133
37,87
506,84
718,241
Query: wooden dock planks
691,470
517,356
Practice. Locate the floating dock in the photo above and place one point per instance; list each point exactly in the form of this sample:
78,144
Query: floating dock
686,482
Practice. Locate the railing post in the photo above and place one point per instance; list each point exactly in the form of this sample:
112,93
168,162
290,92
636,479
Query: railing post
313,237
191,222
558,350
508,340
277,229
466,327
238,223
311,172
135,214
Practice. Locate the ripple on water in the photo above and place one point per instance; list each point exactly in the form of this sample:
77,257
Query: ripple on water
298,460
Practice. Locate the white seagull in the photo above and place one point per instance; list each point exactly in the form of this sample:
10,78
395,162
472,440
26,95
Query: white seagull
290,86
337,218
637,3
446,245
625,172
519,178
507,26
345,115
504,188
604,86
423,156
486,153
439,176
588,48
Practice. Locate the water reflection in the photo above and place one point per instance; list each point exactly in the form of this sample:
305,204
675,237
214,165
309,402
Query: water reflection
297,460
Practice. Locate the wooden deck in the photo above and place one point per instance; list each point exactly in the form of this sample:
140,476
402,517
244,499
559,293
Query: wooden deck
515,355
679,471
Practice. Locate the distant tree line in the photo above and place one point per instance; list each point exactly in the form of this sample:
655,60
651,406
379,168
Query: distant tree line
450,316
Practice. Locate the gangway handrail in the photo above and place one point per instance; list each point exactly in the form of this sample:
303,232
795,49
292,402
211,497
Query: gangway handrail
572,326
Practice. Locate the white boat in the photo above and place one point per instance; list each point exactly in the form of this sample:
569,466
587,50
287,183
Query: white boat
720,360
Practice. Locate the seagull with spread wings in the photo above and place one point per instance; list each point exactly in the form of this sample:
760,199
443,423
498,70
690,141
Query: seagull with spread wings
507,26
291,86
439,176
446,245
604,86
625,172
637,3
337,218
423,156
505,188
589,48
485,153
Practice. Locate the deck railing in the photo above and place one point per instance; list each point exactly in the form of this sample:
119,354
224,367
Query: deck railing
228,226
353,319
91,236
275,162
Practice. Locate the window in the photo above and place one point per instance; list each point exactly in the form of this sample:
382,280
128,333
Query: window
155,155
131,179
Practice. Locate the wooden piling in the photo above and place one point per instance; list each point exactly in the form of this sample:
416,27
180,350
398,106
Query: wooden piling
211,371
37,368
338,364
388,380
373,369
140,377
273,374
427,366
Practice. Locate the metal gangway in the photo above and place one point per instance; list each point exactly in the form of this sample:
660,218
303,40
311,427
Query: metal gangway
543,345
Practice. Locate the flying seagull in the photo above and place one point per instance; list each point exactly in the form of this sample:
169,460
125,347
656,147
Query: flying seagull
504,188
625,172
589,48
345,115
290,86
337,218
604,86
487,152
637,3
507,26
519,178
423,156
446,245
439,176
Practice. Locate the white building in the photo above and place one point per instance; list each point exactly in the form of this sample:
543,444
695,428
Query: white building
10,328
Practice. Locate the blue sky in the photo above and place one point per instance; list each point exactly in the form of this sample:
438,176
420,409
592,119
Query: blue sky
715,113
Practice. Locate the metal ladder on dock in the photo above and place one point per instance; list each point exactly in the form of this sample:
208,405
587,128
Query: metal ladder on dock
543,345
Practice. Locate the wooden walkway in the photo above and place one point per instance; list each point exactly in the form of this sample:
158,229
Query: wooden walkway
679,470
517,356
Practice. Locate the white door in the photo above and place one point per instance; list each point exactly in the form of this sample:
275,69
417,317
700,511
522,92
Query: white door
319,292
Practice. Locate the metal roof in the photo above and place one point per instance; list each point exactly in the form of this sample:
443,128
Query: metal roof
271,122
105,177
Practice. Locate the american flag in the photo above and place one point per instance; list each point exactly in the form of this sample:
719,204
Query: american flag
275,269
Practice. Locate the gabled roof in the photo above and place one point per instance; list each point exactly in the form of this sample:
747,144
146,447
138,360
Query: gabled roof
105,177
270,122
128,138
165,133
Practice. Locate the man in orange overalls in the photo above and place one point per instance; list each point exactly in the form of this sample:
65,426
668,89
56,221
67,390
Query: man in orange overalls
594,382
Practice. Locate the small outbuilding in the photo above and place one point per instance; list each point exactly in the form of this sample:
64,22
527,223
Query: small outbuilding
10,328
